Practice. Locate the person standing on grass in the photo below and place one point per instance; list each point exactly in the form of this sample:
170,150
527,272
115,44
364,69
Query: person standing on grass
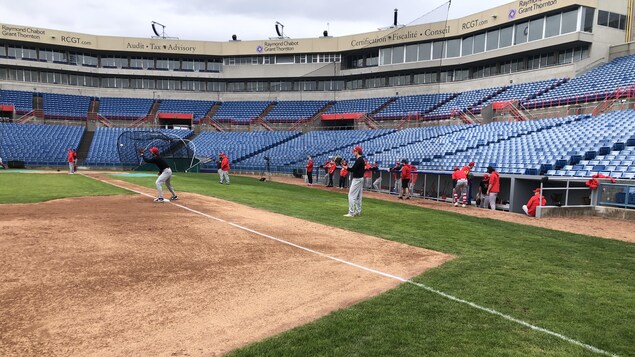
406,176
493,188
357,184
224,169
536,200
344,174
70,157
309,170
165,173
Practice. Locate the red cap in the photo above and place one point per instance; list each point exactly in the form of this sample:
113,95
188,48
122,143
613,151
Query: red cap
471,163
154,150
221,154
537,190
358,149
456,168
485,177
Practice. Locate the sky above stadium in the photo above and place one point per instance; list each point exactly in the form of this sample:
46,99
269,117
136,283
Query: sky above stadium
217,20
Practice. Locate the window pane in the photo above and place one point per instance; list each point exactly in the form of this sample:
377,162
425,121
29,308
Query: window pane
398,54
492,40
468,44
553,26
569,22
614,20
535,29
506,37
425,51
479,43
437,49
622,22
385,56
411,53
521,33
454,48
588,19
603,18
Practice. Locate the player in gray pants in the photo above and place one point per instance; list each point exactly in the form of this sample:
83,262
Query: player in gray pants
165,173
357,184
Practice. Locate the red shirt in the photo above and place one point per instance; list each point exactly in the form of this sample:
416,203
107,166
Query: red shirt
344,171
332,167
224,164
459,175
467,170
71,156
406,172
494,182
534,202
309,166
367,172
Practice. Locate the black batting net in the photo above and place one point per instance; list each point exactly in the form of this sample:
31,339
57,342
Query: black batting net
178,152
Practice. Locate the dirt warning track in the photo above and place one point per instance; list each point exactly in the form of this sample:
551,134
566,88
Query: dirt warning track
125,276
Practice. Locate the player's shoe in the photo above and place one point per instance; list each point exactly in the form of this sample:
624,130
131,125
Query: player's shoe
349,215
463,205
159,200
174,198
456,204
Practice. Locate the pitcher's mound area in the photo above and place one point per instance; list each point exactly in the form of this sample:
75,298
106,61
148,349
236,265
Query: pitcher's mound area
122,276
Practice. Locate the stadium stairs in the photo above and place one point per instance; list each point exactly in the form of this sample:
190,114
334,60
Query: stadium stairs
84,145
260,119
311,120
208,119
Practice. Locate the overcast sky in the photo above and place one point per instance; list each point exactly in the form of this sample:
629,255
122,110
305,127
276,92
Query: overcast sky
217,20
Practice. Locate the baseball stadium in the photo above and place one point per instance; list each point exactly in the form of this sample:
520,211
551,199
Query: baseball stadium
493,156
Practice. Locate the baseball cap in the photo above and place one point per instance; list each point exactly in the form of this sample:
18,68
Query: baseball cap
456,168
154,150
471,163
358,149
485,177
537,190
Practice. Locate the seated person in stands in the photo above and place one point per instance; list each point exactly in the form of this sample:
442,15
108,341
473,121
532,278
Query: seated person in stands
536,200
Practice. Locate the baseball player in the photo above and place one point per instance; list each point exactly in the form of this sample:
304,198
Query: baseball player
71,161
224,168
356,188
461,186
165,173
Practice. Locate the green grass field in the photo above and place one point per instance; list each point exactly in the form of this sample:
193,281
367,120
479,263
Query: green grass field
31,188
578,286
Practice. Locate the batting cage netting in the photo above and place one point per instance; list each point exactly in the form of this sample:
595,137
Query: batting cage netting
179,152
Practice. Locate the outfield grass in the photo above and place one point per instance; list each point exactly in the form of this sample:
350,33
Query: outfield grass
579,286
31,188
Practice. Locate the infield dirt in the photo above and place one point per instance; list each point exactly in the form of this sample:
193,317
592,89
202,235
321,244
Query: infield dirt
122,275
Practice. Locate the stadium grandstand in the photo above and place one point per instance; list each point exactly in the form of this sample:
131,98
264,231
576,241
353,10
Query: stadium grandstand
533,89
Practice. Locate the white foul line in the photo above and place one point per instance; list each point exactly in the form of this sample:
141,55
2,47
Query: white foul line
394,277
